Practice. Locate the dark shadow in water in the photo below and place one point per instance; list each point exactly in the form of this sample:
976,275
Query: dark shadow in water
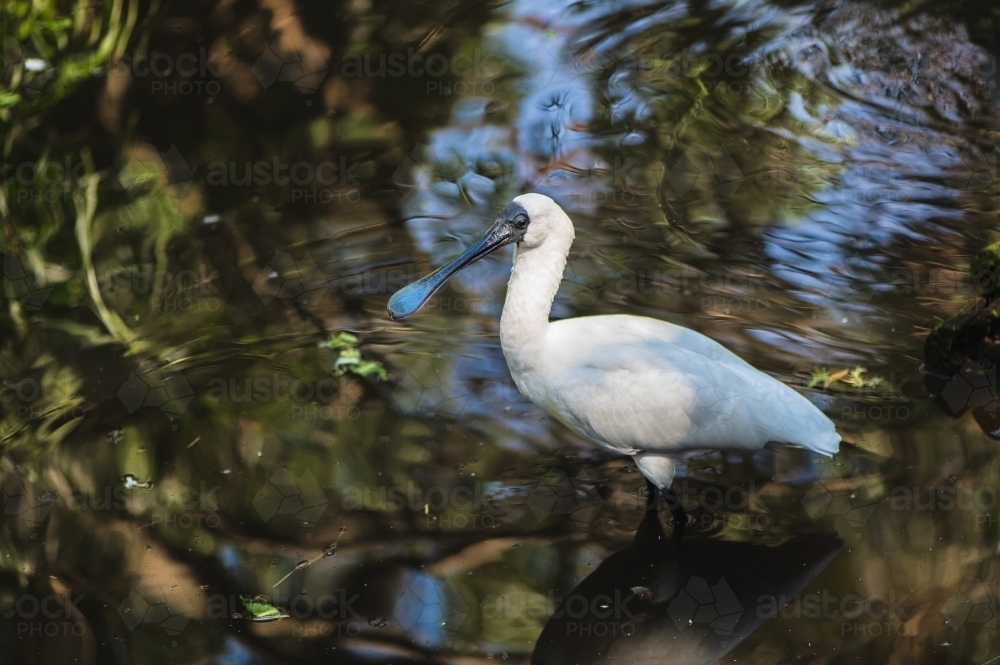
961,353
695,599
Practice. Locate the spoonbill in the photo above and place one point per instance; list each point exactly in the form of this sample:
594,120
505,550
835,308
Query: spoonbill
636,385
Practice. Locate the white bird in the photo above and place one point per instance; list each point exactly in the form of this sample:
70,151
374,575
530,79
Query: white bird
638,386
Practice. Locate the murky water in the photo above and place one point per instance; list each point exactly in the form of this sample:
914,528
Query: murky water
198,465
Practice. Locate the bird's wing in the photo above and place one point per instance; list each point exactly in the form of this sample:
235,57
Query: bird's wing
641,393
624,328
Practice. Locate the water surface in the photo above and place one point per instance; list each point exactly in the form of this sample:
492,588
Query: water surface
185,427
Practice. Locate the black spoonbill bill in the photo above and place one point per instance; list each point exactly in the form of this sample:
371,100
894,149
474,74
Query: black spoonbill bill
639,386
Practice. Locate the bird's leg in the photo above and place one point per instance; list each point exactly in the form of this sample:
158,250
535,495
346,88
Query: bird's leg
677,510
652,496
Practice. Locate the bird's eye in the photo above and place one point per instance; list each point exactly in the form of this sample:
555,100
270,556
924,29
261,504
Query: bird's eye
521,221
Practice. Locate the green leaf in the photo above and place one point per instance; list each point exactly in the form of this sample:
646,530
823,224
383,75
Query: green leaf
261,610
342,340
9,99
349,358
818,376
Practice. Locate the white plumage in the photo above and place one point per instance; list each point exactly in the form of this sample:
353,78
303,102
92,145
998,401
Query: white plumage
636,385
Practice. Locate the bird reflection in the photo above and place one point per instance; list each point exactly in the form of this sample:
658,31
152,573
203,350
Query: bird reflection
684,602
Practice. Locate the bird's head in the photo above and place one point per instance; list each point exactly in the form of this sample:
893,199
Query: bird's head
546,220
528,220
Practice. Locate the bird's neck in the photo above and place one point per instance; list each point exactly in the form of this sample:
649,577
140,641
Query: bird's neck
534,280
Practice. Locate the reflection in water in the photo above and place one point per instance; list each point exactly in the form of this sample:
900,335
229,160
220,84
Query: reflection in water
688,602
804,182
961,354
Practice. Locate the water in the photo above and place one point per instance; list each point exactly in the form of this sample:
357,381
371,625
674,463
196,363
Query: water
195,292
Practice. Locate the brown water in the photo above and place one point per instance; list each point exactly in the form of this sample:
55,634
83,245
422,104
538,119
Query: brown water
236,185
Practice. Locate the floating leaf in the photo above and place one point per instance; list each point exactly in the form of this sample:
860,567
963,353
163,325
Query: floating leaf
818,376
349,358
853,377
261,610
342,340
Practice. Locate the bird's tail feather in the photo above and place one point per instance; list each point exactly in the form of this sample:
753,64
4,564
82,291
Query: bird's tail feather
827,443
